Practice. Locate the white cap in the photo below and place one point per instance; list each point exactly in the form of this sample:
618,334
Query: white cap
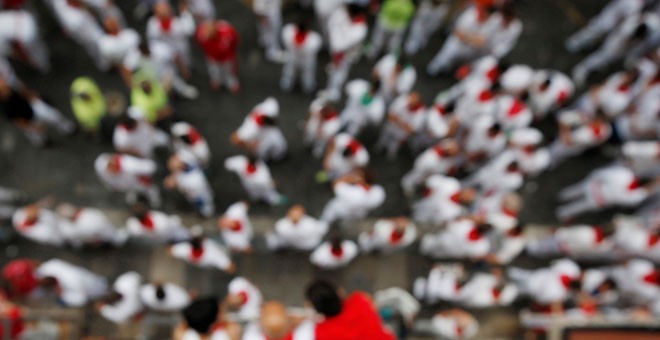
592,279
269,107
566,267
517,78
526,136
135,113
180,129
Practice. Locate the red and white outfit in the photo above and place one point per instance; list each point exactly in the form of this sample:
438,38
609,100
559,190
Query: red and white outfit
176,297
430,15
433,161
345,155
577,241
442,283
18,26
638,280
81,25
393,135
139,140
326,257
251,298
547,285
512,113
393,84
255,178
497,175
188,138
603,188
362,107
90,226
484,290
210,255
305,235
440,203
438,121
76,285
319,128
114,48
460,239
516,80
174,31
385,237
531,158
221,51
157,226
44,230
640,122
239,236
271,144
130,304
192,183
558,91
479,140
134,175
636,240
301,48
584,134
352,202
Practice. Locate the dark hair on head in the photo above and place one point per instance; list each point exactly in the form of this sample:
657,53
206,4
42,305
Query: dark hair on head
160,292
375,85
369,176
354,10
252,158
524,95
268,121
201,314
503,66
128,122
450,106
112,297
609,282
196,242
484,228
302,24
641,31
323,296
496,85
517,230
144,47
495,128
547,82
336,241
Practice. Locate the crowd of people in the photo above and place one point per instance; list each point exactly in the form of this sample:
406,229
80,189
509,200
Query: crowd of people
475,143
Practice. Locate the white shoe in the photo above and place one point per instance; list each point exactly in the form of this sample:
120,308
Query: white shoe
189,92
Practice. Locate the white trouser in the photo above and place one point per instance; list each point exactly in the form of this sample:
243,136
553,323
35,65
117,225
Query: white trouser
423,26
353,121
381,35
597,60
307,69
412,179
391,140
265,193
578,200
453,52
368,242
559,152
222,73
269,29
596,28
51,116
88,39
204,204
338,211
338,73
546,247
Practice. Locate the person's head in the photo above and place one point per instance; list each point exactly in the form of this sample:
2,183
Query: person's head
274,320
144,48
512,202
296,213
545,85
467,195
302,25
415,101
206,30
111,25
450,147
48,282
162,9
507,12
494,130
160,292
513,167
141,207
641,32
112,298
146,86
324,298
114,164
201,314
175,163
375,86
128,122
355,10
196,242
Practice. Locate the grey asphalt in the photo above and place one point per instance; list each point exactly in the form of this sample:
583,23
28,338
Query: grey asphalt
66,169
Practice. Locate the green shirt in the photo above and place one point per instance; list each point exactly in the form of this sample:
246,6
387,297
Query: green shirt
152,102
395,14
87,103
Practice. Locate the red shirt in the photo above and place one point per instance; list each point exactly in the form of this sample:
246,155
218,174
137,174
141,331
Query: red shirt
358,320
223,46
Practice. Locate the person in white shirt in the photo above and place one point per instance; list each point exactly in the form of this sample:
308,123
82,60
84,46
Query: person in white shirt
245,298
334,254
321,125
355,197
484,140
642,157
203,252
634,238
575,241
75,286
201,9
485,290
505,33
577,134
388,235
613,14
19,35
440,284
117,42
39,225
274,323
462,238
236,228
155,225
81,26
134,135
344,155
347,30
269,18
501,174
82,226
186,137
639,121
189,179
204,319
532,159
404,120
550,90
430,15
297,231
450,324
439,159
442,200
364,106
124,303
128,174
164,297
614,95
174,31
468,40
256,179
637,280
259,133
301,46
603,188
550,286
396,74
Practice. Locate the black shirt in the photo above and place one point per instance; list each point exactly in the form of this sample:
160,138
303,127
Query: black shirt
16,107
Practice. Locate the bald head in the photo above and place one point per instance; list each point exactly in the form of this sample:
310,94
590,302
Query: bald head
274,320
162,9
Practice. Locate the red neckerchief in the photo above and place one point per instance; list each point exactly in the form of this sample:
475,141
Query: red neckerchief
331,115
359,19
145,180
496,293
117,160
634,184
259,118
415,108
529,149
396,236
509,212
441,110
456,197
147,222
474,235
599,235
653,240
299,38
652,277
439,151
427,192
354,146
338,58
365,186
515,109
194,136
493,74
196,254
236,226
459,330
485,96
589,308
463,72
623,88
77,214
250,168
337,252
562,97
27,223
244,297
597,129
565,280
166,23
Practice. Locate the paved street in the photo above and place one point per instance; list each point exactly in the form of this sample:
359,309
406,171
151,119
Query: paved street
66,169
